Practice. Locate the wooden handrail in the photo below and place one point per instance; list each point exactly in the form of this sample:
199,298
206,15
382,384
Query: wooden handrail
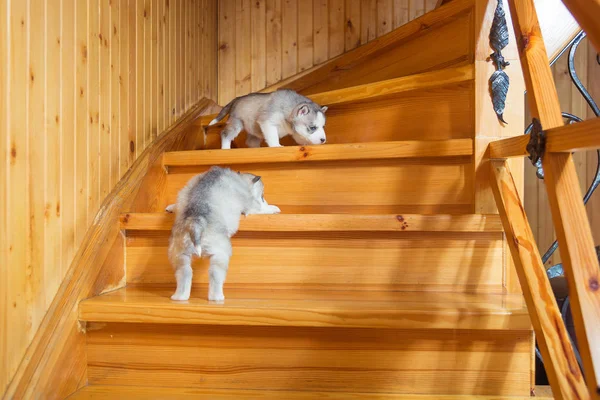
564,194
587,14
559,359
563,139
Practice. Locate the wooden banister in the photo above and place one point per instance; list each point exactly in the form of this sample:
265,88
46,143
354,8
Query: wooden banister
587,14
564,194
563,139
559,359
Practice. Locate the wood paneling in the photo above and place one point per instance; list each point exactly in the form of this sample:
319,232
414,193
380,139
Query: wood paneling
362,360
264,41
73,93
536,199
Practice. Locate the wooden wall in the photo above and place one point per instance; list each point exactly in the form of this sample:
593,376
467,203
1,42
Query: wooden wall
264,41
536,200
85,86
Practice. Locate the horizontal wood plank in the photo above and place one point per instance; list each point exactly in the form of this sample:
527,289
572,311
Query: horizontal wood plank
334,222
333,152
387,87
101,392
311,308
563,139
310,359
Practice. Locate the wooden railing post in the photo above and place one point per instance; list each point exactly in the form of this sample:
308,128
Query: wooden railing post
559,360
564,194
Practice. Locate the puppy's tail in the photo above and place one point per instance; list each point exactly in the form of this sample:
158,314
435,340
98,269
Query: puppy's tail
223,112
194,228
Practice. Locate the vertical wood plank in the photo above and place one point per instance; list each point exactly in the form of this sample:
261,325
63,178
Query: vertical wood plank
206,67
181,59
105,100
336,27
193,57
18,313
400,13
154,83
430,5
82,122
167,63
37,174
148,82
115,93
273,9
243,61
353,27
593,85
305,35
385,14
125,155
172,59
53,158
68,136
259,44
368,27
4,170
416,9
289,39
320,32
139,78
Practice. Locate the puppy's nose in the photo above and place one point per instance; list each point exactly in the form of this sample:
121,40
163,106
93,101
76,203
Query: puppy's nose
323,140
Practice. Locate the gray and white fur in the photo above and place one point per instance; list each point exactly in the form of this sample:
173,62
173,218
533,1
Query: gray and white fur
271,116
208,212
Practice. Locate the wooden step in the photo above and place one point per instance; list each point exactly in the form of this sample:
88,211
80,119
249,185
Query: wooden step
333,152
311,308
338,251
388,87
354,179
157,393
431,113
333,222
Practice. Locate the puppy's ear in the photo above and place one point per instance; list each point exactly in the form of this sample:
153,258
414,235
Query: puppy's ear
324,109
303,110
256,179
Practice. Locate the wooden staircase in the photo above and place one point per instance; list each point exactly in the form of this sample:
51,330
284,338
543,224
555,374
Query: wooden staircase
380,279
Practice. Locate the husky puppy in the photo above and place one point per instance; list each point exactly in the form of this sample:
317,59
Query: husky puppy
208,211
271,116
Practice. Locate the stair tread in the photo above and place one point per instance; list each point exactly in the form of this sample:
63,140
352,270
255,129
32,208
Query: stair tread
335,222
150,393
327,152
309,307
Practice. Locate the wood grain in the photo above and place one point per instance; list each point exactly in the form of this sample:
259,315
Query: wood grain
586,13
325,187
308,359
563,139
55,359
312,308
334,152
559,360
333,222
99,392
564,194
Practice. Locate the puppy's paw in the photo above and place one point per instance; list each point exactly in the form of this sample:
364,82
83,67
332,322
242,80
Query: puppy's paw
170,208
219,297
271,209
180,297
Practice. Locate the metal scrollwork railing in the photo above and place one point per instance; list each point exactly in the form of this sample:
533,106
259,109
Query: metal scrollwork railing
499,81
536,152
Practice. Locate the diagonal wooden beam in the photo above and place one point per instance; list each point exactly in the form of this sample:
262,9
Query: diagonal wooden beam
563,139
587,14
559,360
564,194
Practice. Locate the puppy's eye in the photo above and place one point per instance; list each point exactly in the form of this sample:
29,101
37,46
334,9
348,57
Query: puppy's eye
312,128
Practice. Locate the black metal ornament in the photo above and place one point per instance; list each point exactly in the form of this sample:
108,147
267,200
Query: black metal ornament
499,81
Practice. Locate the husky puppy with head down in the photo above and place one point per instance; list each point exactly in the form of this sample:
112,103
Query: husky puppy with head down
271,116
208,212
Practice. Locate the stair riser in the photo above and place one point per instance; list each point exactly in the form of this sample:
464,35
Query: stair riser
432,114
395,361
360,260
377,186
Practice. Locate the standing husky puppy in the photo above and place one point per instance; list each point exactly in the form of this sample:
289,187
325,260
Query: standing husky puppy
208,211
271,116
